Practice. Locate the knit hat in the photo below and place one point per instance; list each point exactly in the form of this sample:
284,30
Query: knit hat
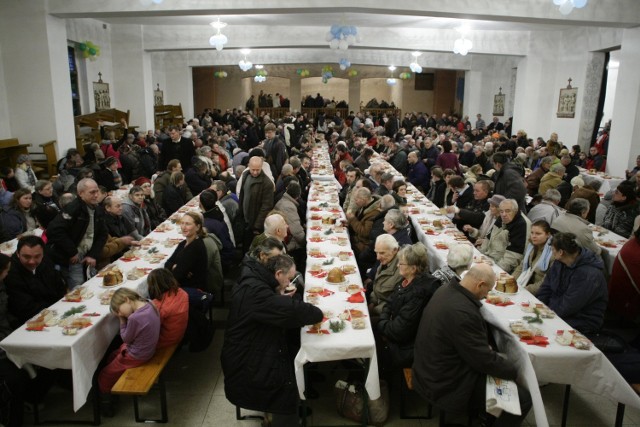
496,199
142,180
22,158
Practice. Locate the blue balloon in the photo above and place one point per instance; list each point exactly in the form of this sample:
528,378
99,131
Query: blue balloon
335,30
354,30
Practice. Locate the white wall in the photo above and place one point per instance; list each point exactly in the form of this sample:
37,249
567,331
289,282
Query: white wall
80,31
612,81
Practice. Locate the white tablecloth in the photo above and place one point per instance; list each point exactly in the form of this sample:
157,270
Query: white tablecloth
349,343
607,184
82,352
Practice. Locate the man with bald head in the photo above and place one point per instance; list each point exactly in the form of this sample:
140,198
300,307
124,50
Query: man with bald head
274,226
77,235
256,199
453,351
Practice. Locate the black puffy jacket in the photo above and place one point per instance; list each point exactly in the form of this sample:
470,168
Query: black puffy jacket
257,361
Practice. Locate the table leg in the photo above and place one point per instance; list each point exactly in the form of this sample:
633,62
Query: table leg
565,405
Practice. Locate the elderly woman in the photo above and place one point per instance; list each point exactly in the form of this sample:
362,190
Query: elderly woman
25,176
479,234
400,192
574,220
507,239
459,260
386,275
575,287
537,258
361,222
400,317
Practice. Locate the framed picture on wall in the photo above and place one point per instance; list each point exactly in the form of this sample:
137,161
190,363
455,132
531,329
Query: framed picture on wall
567,102
158,96
101,95
498,103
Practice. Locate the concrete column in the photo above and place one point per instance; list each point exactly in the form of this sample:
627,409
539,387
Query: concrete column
532,107
132,80
395,93
354,94
179,84
295,90
472,95
245,91
625,128
36,75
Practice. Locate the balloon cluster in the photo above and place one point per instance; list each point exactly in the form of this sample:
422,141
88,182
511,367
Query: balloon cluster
327,73
261,76
566,6
405,76
415,67
391,81
462,46
344,63
352,73
302,72
220,74
341,37
89,50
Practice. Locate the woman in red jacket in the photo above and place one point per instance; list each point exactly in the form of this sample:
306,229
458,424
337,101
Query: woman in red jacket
172,303
624,285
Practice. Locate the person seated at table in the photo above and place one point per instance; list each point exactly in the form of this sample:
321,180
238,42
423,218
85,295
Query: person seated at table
198,177
507,239
275,225
478,234
45,205
418,174
214,223
551,179
108,175
151,204
537,258
400,192
472,212
575,287
33,283
548,209
384,276
624,299
350,201
595,161
623,210
19,217
163,181
574,221
588,191
25,176
400,317
189,263
436,191
289,206
454,353
361,221
175,194
117,224
533,179
459,260
139,329
257,358
461,192
135,212
172,304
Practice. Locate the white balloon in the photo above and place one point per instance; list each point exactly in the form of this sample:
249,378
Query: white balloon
467,44
566,8
157,1
333,44
328,37
342,67
358,38
351,39
579,4
219,46
343,45
418,69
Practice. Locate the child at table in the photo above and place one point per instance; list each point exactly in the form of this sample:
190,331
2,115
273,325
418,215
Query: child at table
139,329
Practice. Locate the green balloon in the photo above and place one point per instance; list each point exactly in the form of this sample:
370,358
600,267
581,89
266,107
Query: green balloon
92,51
82,47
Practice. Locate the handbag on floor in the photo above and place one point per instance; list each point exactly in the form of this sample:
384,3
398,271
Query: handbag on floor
350,402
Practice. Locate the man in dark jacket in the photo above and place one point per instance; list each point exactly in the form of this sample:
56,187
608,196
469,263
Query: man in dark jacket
178,147
78,233
418,174
257,359
274,149
32,283
453,355
508,180
256,199
473,212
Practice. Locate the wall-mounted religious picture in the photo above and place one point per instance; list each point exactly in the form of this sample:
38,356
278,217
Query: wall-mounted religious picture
101,94
567,102
158,96
498,103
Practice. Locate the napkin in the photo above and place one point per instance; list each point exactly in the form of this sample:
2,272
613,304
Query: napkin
319,274
501,304
539,341
318,331
356,297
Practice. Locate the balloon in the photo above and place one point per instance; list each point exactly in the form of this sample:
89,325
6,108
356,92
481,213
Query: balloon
579,4
298,71
335,30
328,37
82,47
342,67
333,44
324,80
351,39
85,54
343,45
559,2
92,51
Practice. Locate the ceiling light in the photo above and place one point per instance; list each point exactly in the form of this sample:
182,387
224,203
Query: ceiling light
391,81
566,6
416,54
259,67
245,51
218,40
244,64
392,67
462,45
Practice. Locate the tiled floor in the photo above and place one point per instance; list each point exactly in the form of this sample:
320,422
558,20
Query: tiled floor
196,397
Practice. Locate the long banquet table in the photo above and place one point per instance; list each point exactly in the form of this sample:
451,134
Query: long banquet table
81,353
330,243
554,363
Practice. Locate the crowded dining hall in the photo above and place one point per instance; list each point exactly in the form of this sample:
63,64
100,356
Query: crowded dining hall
285,215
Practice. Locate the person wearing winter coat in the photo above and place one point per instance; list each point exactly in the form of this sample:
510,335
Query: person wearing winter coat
623,210
134,211
257,358
401,315
575,287
418,174
387,276
507,239
508,180
288,206
537,258
154,210
361,222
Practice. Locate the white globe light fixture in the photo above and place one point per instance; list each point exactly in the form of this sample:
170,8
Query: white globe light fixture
463,45
414,66
218,40
244,64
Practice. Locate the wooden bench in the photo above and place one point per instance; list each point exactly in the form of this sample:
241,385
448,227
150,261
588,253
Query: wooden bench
138,381
46,161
